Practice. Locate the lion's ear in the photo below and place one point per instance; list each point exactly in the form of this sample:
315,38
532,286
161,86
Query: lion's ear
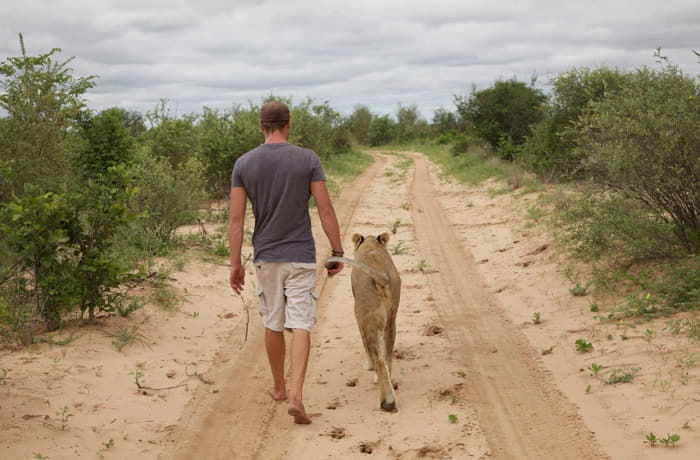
357,240
383,239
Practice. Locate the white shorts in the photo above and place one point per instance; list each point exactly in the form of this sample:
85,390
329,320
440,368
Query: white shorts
286,294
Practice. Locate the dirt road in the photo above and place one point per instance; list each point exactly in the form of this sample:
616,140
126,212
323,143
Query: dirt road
485,360
468,382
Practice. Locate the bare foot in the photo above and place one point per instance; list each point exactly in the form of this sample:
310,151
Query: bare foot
277,395
299,413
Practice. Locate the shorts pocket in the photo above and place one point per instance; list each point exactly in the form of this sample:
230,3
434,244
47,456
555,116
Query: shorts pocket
262,306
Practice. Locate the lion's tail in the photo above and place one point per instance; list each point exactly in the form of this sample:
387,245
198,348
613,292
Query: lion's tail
380,278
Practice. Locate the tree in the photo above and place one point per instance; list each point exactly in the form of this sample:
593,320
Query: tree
108,142
359,123
503,114
407,122
382,131
643,143
444,122
550,149
44,103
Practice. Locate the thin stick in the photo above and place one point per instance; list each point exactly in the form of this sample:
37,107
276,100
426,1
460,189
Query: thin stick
245,305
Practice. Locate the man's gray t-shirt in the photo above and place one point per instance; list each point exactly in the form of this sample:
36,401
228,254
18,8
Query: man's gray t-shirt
277,179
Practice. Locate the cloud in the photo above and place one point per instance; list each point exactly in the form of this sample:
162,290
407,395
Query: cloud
364,52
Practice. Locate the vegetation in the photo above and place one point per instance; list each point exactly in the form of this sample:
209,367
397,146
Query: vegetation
87,199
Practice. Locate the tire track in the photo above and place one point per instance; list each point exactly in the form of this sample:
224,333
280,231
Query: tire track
234,422
520,411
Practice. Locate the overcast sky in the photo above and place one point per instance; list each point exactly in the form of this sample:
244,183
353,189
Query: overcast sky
377,53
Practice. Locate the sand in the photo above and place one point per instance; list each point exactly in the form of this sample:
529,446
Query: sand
484,292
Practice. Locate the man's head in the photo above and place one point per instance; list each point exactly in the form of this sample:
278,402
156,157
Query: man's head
274,116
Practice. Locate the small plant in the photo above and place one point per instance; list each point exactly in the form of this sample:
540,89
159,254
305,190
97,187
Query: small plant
651,439
588,388
595,368
462,374
583,347
536,318
453,400
406,205
107,445
671,439
221,249
399,248
38,456
134,303
138,375
621,375
4,377
649,335
62,416
547,351
98,370
452,418
395,226
595,307
423,267
624,336
578,290
125,336
686,425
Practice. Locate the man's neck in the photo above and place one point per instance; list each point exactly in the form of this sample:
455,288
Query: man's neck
275,137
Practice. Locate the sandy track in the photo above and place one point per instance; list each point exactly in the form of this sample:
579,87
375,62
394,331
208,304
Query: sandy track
234,422
524,416
469,383
475,275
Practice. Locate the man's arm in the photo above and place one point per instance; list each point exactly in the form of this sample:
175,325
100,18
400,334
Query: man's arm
235,237
329,220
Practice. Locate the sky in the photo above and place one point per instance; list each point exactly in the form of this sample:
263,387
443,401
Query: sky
377,53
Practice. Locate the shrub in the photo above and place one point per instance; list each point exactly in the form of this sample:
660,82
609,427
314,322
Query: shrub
643,143
34,226
507,110
164,199
550,150
382,131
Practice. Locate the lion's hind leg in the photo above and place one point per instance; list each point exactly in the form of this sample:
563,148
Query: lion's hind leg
377,353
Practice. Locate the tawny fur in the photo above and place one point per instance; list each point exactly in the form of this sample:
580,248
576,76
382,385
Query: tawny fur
376,305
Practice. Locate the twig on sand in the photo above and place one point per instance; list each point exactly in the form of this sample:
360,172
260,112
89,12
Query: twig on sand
245,305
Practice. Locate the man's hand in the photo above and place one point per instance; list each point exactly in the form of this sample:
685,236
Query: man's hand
334,268
237,277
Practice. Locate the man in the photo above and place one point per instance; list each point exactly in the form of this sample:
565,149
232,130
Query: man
279,178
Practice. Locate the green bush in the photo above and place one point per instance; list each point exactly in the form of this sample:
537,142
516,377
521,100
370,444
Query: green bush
609,228
223,137
507,110
98,213
164,198
643,143
34,226
108,142
461,144
382,131
550,149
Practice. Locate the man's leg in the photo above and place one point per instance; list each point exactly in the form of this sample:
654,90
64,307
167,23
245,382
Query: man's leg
274,344
301,344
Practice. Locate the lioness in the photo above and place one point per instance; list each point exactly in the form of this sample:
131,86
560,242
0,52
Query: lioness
376,286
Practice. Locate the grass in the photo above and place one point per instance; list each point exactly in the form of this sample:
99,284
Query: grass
126,336
344,168
621,375
399,248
